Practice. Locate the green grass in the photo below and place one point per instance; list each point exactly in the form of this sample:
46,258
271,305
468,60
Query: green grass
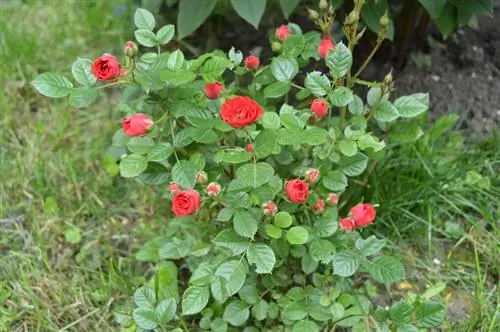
54,189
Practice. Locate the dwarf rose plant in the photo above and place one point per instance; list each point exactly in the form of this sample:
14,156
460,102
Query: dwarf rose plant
258,161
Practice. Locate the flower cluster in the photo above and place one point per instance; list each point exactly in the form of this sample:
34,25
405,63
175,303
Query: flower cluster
361,215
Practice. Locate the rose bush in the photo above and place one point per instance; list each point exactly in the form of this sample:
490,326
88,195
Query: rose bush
276,240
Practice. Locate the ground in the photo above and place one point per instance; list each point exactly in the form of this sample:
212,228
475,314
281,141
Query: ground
69,227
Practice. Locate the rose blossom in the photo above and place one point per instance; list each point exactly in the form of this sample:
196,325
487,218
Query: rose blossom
252,62
347,224
333,199
270,208
325,46
363,214
213,189
312,175
282,32
213,90
319,107
137,125
319,207
297,190
239,112
106,68
174,188
186,202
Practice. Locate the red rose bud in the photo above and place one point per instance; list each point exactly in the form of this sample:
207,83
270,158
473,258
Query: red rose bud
186,202
137,125
250,148
213,189
106,68
270,208
213,90
130,49
319,207
252,62
201,177
325,46
363,214
297,190
240,112
333,199
319,107
282,32
312,175
174,188
347,224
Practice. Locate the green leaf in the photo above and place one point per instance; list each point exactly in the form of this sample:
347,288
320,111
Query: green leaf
386,269
429,314
145,37
273,231
82,72
232,241
145,318
235,56
283,219
184,173
294,45
433,7
53,85
219,289
140,144
277,89
203,275
315,136
317,83
328,223
345,263
409,106
447,20
322,250
297,235
175,249
308,264
370,246
83,97
371,14
374,95
165,34
215,67
335,181
401,312
407,328
284,69
234,272
353,166
160,152
356,106
195,299
259,310
192,14
232,157
385,111
294,311
177,78
255,175
132,165
287,6
262,256
245,224
367,141
305,325
339,61
270,120
175,60
405,133
203,135
250,11
73,235
155,174
145,297
348,148
144,19
341,96
165,311
236,313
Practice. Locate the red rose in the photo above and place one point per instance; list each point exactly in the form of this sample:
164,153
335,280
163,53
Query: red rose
252,62
325,46
137,125
213,189
174,188
312,175
319,107
363,214
282,32
106,68
333,199
240,111
250,148
319,207
270,208
347,224
185,202
297,191
213,90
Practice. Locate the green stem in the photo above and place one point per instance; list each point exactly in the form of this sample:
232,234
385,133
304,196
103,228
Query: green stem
368,59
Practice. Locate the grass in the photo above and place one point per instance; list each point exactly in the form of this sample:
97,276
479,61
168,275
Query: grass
69,229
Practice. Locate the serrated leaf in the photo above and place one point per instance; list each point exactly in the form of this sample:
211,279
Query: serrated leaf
195,299
165,311
367,141
160,152
355,165
277,89
83,97
230,240
348,148
297,235
203,135
270,120
322,250
165,34
284,69
259,310
144,19
177,78
250,11
356,106
386,269
335,181
145,37
53,85
145,318
255,175
294,311
409,106
82,72
175,60
262,256
234,272
317,83
405,133
305,325
328,223
339,61
203,275
245,224
236,313
370,246
429,314
385,111
145,297
140,144
293,45
232,157
214,67
132,165
345,263
315,136
341,96
184,173
401,312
